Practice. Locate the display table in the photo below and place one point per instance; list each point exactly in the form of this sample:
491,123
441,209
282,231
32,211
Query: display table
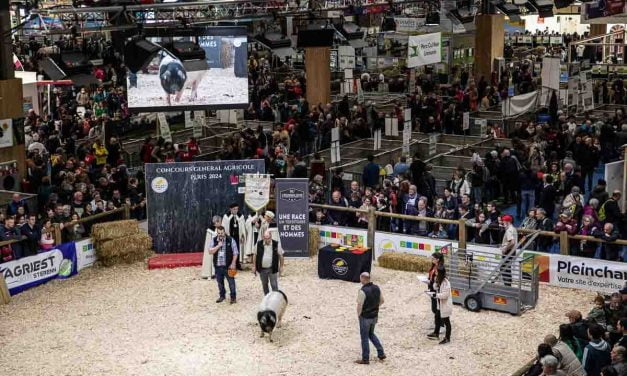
345,263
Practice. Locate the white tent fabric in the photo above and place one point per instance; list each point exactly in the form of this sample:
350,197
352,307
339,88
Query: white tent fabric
519,104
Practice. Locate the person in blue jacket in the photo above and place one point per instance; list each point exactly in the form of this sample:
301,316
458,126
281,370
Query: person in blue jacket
371,173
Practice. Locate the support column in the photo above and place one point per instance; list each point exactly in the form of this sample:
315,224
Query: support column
489,43
318,74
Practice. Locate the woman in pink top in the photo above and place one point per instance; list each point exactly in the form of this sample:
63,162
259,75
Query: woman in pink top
47,240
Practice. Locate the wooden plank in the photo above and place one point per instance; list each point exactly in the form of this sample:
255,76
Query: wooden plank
5,296
11,99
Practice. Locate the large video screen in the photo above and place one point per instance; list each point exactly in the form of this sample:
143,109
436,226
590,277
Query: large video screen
194,69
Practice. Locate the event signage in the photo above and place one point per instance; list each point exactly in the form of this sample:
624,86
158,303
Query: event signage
31,271
348,236
410,25
184,196
579,272
188,119
292,202
164,127
6,133
257,191
424,49
433,140
85,254
199,121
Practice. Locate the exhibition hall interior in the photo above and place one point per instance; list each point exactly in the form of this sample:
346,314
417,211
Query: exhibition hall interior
310,187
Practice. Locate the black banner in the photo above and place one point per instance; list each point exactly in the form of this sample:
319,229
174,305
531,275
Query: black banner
292,202
183,197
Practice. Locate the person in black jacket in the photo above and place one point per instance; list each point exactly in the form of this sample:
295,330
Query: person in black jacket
8,231
547,196
268,261
543,223
225,252
507,170
338,217
369,299
612,210
32,231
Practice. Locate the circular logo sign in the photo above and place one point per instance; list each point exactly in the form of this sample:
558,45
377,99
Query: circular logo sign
159,184
340,266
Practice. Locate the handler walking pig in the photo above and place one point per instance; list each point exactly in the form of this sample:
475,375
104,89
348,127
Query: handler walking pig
369,299
268,261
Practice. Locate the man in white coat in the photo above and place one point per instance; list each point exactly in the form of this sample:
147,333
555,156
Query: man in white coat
252,226
234,225
206,271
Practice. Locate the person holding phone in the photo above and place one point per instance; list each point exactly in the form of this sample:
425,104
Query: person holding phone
225,252
444,300
437,259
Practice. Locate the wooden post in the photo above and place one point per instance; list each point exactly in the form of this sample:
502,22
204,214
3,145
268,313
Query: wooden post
462,234
5,296
127,212
57,233
564,243
372,228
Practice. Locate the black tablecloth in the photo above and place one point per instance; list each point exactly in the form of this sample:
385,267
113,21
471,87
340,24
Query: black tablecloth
343,265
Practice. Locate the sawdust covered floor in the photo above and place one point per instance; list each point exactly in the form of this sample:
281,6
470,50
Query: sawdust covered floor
131,321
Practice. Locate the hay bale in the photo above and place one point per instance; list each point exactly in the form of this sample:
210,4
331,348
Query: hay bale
111,230
405,262
124,250
314,241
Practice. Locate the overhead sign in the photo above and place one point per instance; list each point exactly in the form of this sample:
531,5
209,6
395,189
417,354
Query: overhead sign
424,49
409,25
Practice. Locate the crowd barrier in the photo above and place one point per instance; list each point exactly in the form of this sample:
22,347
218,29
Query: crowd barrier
61,262
563,269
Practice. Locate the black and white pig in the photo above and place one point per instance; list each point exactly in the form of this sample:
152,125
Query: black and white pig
172,75
271,312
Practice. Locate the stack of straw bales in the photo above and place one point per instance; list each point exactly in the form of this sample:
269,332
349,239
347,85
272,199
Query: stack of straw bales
120,242
5,296
405,262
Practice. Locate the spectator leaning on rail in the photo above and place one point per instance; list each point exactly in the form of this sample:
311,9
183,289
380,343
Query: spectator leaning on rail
568,361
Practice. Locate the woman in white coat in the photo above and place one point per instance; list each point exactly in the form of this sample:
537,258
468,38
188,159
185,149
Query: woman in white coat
444,299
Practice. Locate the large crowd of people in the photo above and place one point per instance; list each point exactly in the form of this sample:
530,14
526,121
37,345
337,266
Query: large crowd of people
547,173
594,345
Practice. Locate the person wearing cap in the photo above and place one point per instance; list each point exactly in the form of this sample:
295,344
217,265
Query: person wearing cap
267,222
508,249
369,299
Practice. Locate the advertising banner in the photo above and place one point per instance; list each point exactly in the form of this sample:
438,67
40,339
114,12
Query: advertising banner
85,254
424,49
31,271
401,243
348,236
199,121
519,104
581,273
182,198
257,191
292,203
551,73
